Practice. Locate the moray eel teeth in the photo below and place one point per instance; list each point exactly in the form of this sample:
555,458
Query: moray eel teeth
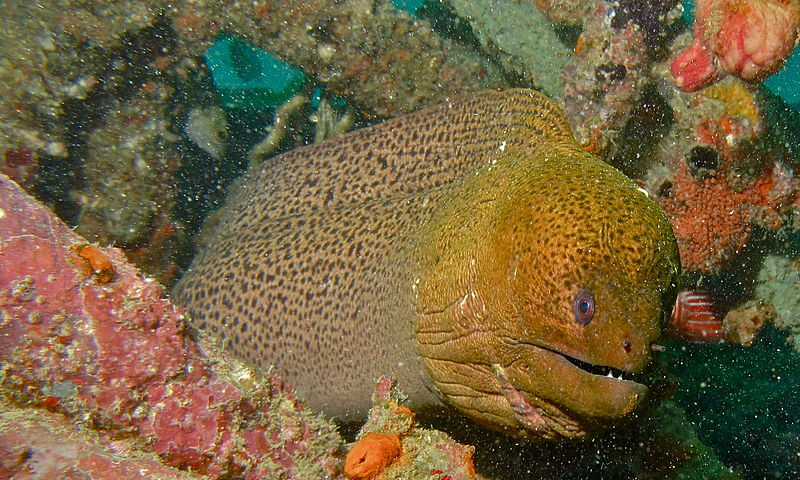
601,370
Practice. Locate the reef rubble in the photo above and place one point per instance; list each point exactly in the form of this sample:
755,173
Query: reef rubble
46,445
87,83
391,445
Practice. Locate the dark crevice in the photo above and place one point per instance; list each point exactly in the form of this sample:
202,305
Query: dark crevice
126,68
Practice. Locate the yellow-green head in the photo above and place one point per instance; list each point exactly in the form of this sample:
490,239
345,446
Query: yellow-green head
548,277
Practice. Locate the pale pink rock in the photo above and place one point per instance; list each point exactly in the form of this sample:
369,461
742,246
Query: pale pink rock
45,446
750,39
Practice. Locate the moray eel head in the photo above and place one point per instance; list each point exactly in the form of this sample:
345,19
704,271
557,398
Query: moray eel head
548,282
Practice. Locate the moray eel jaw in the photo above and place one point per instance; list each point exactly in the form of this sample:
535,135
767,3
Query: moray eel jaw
512,365
529,391
611,394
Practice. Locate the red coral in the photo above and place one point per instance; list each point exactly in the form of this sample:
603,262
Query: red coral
713,222
726,134
116,357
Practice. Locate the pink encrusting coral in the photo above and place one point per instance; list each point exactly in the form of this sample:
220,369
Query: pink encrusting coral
46,446
115,357
750,39
721,172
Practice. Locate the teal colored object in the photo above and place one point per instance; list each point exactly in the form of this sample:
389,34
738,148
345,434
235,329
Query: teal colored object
785,84
688,10
316,97
247,77
335,100
410,6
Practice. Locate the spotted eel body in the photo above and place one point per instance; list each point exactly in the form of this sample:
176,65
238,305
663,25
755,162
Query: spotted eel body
451,249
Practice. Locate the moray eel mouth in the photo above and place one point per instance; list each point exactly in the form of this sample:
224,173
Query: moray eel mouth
599,370
601,376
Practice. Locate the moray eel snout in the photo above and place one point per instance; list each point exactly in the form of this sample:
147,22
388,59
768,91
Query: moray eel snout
563,274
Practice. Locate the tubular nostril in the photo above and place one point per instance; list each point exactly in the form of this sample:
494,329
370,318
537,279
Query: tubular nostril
626,344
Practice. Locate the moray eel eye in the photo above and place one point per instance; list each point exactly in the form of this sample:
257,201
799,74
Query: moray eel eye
583,307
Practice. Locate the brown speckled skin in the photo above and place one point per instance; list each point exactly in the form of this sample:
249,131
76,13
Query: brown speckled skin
443,248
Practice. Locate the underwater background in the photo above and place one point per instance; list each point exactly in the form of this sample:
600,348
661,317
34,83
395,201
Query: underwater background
130,121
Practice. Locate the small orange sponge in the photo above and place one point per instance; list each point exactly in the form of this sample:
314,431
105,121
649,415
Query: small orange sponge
94,263
370,455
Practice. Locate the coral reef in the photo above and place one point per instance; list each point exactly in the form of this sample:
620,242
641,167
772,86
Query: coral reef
564,11
707,240
66,70
374,55
391,445
111,354
84,56
743,322
78,109
720,174
750,39
612,58
60,59
91,93
128,193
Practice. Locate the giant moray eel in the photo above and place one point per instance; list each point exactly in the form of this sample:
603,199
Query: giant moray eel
472,251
